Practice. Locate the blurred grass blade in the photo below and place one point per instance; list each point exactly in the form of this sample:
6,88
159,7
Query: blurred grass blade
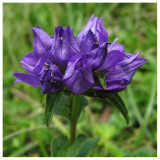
24,149
137,114
118,102
152,98
134,105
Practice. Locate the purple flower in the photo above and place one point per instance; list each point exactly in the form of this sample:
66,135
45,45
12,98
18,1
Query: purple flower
42,42
43,70
96,26
78,76
119,71
79,73
66,45
68,62
49,75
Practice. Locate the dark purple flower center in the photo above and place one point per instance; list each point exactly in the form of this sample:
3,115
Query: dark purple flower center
50,77
48,72
79,65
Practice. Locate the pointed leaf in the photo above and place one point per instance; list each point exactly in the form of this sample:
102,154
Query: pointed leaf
81,146
83,102
65,108
118,102
51,103
59,146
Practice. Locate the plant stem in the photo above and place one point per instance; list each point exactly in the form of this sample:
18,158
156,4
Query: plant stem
74,117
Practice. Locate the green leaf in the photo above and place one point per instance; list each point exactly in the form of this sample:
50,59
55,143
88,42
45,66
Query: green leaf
81,146
52,102
83,102
59,146
65,108
118,102
102,79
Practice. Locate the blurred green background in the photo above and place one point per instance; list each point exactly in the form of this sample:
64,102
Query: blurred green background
24,132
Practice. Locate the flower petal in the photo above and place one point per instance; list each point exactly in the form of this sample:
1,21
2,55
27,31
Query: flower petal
71,66
27,78
49,87
78,75
113,86
39,67
115,46
126,68
28,62
130,59
97,56
42,42
89,42
66,45
80,81
112,59
96,26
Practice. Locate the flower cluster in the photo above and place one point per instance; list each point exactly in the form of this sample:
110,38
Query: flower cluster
66,62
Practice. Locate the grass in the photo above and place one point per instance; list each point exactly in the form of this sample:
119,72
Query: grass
135,24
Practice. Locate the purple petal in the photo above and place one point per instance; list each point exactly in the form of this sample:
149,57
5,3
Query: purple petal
96,26
89,42
86,28
128,54
71,66
16,81
130,59
27,78
112,59
115,85
126,68
66,45
115,46
49,87
78,75
97,56
39,67
28,62
42,42
80,81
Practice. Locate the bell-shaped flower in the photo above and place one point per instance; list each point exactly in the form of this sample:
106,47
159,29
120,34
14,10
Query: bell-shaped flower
42,42
78,75
96,26
119,71
49,75
66,45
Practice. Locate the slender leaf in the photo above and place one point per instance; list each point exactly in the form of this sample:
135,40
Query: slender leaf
64,109
118,102
51,103
83,102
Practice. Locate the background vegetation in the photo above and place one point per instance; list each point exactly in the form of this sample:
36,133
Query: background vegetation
24,131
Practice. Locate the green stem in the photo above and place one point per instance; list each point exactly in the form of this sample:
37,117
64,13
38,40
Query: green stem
74,117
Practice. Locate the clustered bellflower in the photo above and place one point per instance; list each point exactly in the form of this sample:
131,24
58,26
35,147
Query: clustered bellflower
65,62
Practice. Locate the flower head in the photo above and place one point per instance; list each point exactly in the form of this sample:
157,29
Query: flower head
64,61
